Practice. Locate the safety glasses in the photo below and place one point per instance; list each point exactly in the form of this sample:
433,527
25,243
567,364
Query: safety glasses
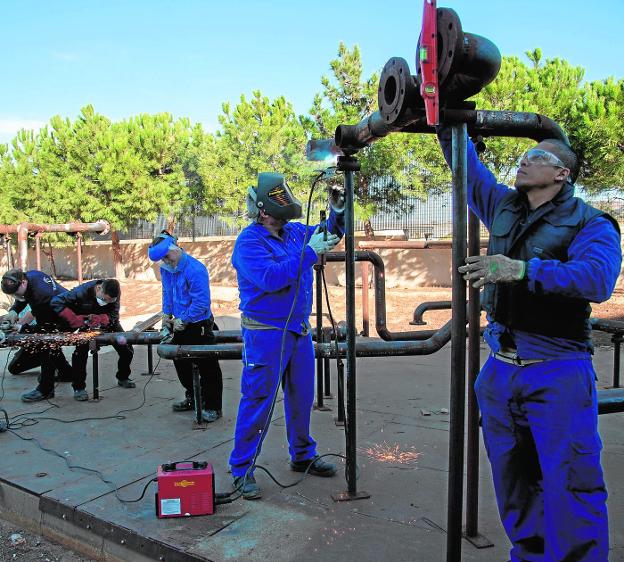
539,156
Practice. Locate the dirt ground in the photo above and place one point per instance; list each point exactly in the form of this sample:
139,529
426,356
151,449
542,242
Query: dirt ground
18,544
143,297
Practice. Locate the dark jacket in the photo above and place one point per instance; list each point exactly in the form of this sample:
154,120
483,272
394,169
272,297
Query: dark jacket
81,300
40,291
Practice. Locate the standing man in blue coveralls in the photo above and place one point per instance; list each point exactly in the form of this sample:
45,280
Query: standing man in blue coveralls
273,259
187,315
550,254
94,305
35,289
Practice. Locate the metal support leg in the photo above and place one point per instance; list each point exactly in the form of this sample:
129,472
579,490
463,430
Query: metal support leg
197,395
350,165
617,344
318,270
150,362
340,420
458,351
96,374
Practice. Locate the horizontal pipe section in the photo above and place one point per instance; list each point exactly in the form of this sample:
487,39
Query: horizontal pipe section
486,123
611,401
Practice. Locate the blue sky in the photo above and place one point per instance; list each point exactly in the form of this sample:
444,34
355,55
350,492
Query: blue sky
189,56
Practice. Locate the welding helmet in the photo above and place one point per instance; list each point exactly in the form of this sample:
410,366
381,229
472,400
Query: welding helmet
274,197
11,281
160,245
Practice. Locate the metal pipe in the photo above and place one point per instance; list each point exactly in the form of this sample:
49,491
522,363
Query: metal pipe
479,122
617,342
79,255
424,307
474,363
610,401
365,317
318,272
340,420
351,437
458,348
38,250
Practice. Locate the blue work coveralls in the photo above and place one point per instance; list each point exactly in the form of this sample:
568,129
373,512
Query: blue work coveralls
540,420
268,268
186,295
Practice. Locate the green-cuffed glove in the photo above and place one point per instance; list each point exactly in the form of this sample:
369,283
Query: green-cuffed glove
320,244
493,269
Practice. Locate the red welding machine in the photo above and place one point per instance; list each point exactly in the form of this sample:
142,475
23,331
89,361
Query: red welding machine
185,489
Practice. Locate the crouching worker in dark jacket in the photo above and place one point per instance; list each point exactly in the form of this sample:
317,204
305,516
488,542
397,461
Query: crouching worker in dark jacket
35,289
93,305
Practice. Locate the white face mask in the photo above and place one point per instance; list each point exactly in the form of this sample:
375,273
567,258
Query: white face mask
100,301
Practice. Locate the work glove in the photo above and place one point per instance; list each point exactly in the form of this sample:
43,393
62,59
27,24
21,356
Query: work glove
98,321
74,321
322,242
11,317
179,325
493,269
166,322
337,198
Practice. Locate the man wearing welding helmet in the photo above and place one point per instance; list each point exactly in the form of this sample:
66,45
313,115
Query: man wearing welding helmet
34,289
550,254
187,315
273,258
94,305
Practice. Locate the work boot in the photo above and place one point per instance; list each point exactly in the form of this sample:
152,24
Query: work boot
250,490
318,467
210,416
183,405
81,395
126,383
36,395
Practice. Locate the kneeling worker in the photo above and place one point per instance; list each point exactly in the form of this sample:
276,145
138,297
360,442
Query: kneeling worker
94,305
273,259
186,313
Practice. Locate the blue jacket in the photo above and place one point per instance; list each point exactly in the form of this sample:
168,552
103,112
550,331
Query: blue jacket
82,300
186,293
40,290
594,259
267,268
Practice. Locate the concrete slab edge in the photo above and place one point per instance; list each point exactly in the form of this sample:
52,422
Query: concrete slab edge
83,532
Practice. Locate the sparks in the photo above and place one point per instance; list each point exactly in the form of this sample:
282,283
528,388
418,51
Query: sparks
387,453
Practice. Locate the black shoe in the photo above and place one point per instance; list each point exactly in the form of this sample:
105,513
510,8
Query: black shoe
36,395
210,416
250,490
126,383
183,406
318,467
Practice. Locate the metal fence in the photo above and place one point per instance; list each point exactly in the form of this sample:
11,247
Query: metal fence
429,218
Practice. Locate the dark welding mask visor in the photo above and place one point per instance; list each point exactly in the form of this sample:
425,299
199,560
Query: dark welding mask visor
275,197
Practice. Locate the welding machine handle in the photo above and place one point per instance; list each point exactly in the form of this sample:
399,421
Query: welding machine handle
171,466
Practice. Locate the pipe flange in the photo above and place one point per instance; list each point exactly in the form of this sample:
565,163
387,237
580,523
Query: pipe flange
394,85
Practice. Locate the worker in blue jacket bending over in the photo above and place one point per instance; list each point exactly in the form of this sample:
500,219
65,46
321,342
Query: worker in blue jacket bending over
275,285
187,315
550,254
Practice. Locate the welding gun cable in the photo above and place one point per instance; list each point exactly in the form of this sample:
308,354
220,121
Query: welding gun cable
4,374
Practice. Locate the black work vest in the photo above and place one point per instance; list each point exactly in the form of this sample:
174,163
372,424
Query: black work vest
546,234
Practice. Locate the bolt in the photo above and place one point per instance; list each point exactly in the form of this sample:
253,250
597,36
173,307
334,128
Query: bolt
123,541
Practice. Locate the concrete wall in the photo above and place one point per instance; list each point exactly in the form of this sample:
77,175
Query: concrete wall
404,268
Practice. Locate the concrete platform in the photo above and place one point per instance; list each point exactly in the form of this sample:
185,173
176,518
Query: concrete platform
403,520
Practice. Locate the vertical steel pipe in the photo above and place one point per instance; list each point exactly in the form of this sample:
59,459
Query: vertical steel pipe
474,334
458,349
617,343
38,250
340,420
79,255
318,272
365,317
350,165
96,373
